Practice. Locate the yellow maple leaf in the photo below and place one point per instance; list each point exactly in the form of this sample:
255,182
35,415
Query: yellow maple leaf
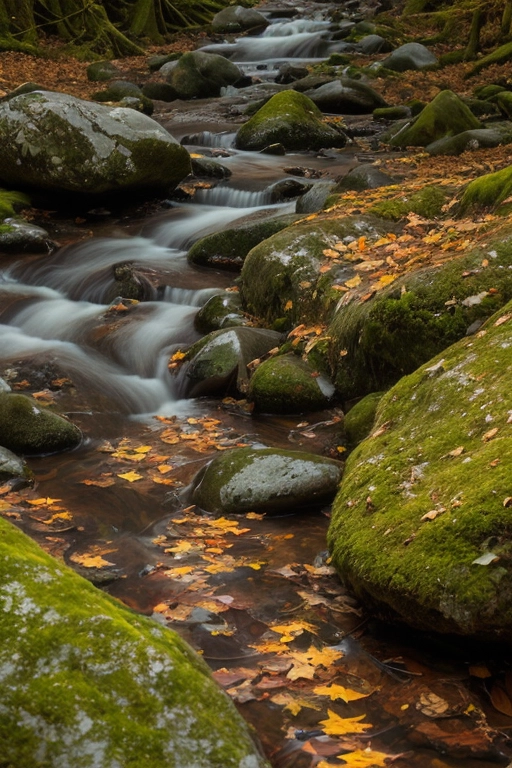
324,657
90,561
290,631
339,692
131,476
361,758
353,282
42,502
339,726
299,670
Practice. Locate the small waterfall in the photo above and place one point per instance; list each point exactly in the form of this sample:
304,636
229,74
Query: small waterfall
234,198
222,140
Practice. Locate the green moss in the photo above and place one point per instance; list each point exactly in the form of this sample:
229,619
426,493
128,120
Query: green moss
10,202
289,118
499,56
415,318
28,429
359,420
390,113
427,202
487,191
287,384
87,682
435,451
392,210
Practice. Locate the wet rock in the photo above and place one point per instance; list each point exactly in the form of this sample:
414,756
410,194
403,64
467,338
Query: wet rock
159,91
102,70
365,176
204,167
273,149
291,119
57,143
265,480
129,284
346,96
228,249
218,363
406,324
117,90
221,311
27,428
288,384
156,63
93,678
373,44
478,138
18,236
446,115
140,104
311,81
314,199
359,421
200,75
392,113
236,18
440,562
288,189
409,56
12,467
288,73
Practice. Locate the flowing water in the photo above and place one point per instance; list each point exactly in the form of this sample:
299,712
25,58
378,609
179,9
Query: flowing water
60,320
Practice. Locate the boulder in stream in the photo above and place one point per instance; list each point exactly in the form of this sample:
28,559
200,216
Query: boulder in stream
410,56
420,527
201,75
27,428
13,468
56,143
236,18
346,96
288,384
221,311
86,681
265,480
289,118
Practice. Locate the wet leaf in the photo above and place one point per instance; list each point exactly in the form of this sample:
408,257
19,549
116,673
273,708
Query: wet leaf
292,704
432,705
353,282
290,631
131,476
339,692
90,561
339,726
104,481
361,758
45,502
501,700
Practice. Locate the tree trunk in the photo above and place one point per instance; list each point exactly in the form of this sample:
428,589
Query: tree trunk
473,45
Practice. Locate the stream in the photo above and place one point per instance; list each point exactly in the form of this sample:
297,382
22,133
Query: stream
64,335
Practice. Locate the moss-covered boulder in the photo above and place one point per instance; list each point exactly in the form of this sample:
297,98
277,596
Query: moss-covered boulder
217,364
288,384
427,202
446,115
364,176
100,71
236,18
291,119
265,480
19,236
206,168
221,311
487,191
86,682
199,75
27,428
409,56
55,142
376,342
359,420
478,138
281,278
421,527
228,249
346,97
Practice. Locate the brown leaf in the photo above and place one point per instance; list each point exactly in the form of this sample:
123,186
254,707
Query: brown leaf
501,700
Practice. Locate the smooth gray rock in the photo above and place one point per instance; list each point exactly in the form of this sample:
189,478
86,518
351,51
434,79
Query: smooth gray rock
20,236
201,75
479,138
314,199
236,18
409,56
12,467
346,96
55,142
265,480
365,176
373,44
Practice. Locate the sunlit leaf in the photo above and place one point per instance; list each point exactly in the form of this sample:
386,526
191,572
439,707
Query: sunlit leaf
46,502
131,476
339,692
90,561
339,726
363,758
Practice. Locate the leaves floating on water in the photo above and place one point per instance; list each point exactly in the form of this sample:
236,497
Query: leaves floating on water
339,726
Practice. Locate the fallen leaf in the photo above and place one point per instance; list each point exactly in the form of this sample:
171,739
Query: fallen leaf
100,482
361,758
90,561
131,476
490,434
500,700
353,282
339,692
432,705
339,726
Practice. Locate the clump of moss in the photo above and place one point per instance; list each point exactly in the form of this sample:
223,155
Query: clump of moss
487,191
10,202
359,420
427,202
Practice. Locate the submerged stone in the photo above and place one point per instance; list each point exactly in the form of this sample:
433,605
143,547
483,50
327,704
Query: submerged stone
291,119
57,143
420,526
87,682
288,384
27,428
265,480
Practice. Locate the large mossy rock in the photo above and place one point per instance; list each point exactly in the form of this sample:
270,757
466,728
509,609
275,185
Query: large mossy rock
201,75
487,191
347,97
478,138
27,428
291,119
217,364
266,480
376,342
281,278
421,525
446,115
236,18
364,176
228,249
221,311
57,143
409,56
359,421
86,682
288,384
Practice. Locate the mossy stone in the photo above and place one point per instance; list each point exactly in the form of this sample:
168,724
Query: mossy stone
417,317
117,90
446,115
221,311
499,56
503,102
391,113
87,682
199,75
346,96
265,480
421,526
427,202
236,18
228,249
487,191
479,138
100,71
488,91
288,384
159,91
205,167
27,428
364,176
359,421
156,62
291,119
